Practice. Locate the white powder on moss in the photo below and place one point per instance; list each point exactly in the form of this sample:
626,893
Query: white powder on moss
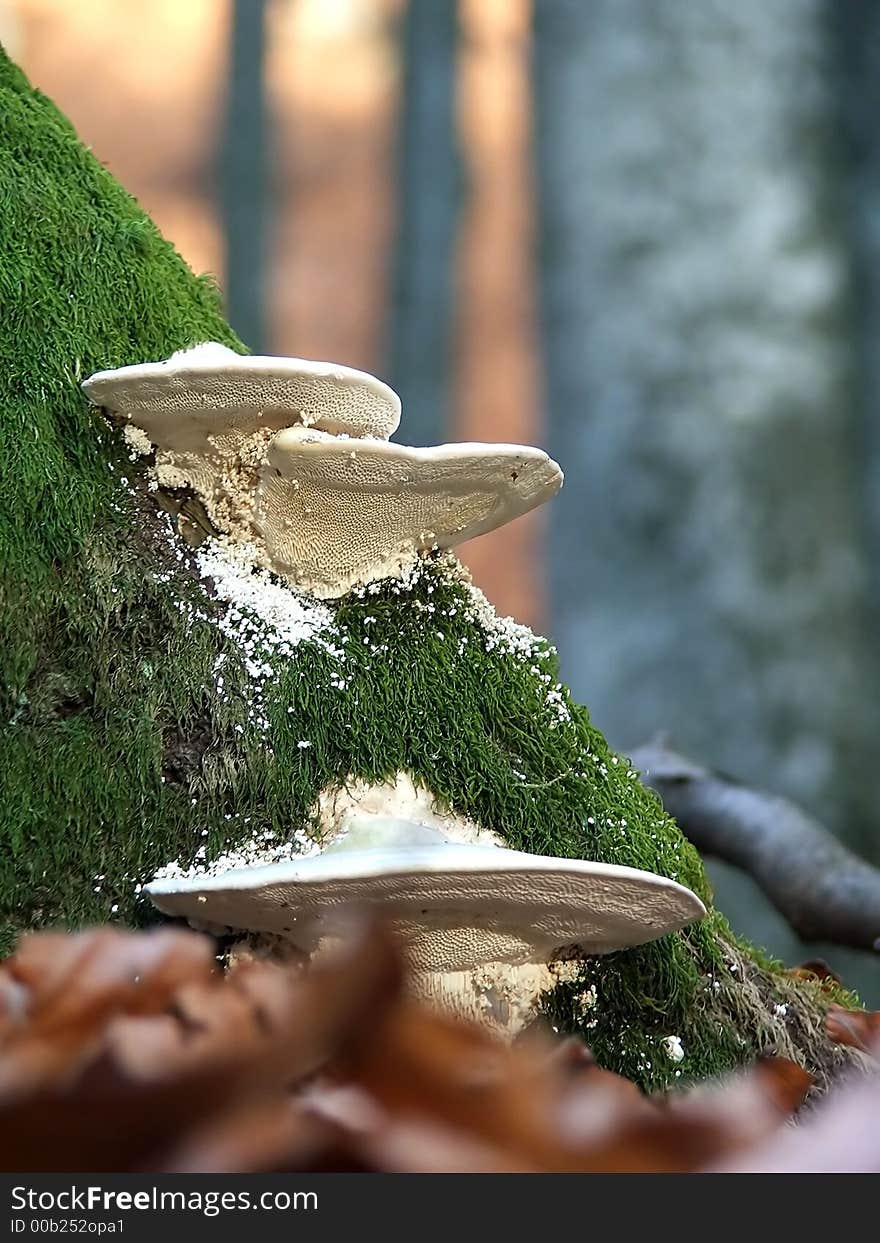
261,617
509,637
261,851
289,617
673,1048
265,619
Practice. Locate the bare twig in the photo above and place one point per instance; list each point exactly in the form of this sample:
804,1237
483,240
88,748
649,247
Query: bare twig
822,889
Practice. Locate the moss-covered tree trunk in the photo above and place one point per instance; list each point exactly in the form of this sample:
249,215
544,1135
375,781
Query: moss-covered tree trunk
146,721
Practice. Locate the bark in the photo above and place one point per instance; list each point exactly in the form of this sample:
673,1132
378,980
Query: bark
824,891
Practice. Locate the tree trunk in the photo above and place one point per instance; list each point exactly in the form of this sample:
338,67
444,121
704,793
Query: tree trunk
708,566
857,30
427,212
148,720
242,171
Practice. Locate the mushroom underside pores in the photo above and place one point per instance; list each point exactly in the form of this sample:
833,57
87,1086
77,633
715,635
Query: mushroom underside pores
460,909
293,459
333,514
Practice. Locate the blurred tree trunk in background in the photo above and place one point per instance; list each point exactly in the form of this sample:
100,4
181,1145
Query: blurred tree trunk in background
708,562
242,165
857,25
420,329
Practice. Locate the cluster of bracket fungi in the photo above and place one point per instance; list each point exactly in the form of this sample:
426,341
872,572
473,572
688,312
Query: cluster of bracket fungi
293,460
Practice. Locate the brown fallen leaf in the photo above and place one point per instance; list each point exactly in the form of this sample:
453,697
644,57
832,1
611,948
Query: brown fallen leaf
858,1028
816,969
130,1051
69,987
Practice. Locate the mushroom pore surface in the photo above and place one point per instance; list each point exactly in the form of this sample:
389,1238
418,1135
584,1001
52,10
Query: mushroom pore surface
334,513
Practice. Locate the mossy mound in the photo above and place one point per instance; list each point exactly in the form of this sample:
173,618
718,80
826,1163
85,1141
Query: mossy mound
145,721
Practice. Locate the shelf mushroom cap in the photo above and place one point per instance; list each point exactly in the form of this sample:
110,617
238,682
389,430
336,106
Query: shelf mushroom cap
207,389
456,906
333,513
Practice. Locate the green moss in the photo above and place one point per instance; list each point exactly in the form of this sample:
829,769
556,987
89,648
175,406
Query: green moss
119,752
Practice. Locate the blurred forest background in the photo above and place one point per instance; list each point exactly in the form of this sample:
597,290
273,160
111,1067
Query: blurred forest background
644,234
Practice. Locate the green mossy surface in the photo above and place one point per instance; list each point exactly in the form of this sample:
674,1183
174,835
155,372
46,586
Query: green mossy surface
119,753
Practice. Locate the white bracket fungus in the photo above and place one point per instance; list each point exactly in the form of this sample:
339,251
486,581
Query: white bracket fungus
479,922
291,461
197,391
293,458
456,905
210,413
333,514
